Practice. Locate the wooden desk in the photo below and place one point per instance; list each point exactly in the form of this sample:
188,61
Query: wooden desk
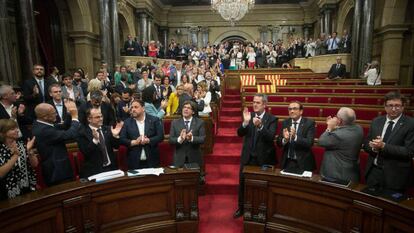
278,203
168,203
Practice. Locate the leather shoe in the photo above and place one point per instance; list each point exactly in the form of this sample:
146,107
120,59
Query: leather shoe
238,213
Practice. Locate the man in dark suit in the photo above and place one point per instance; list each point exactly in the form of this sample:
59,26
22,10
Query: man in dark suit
296,138
187,134
124,105
158,89
212,86
35,90
141,133
9,109
78,82
258,130
96,102
338,70
63,118
51,143
130,46
390,144
188,96
342,141
97,143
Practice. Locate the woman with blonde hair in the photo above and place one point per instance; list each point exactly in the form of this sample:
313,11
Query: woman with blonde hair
96,85
204,94
373,74
173,101
17,161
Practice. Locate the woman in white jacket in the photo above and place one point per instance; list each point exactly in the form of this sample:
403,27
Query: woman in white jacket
373,74
203,94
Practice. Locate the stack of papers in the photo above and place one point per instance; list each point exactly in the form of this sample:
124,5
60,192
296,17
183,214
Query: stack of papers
146,171
306,174
106,175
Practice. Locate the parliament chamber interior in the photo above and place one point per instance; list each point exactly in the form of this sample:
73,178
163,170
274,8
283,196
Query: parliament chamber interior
210,116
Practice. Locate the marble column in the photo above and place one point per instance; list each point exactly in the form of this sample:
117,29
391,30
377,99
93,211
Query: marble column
143,21
105,33
392,42
193,35
84,43
29,54
115,33
275,34
164,38
322,23
149,30
5,52
204,35
356,32
365,52
263,33
327,16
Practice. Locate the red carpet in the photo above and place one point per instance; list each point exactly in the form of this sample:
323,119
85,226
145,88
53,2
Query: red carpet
222,173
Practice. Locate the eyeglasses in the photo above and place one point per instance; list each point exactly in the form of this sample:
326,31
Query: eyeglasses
294,109
390,106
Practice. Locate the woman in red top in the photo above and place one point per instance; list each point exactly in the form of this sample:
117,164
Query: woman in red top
152,49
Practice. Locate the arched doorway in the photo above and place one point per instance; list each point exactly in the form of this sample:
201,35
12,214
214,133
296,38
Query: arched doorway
234,38
348,21
123,31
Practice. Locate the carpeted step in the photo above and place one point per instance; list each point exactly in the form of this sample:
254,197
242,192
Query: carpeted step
222,178
231,103
216,214
230,121
231,97
230,112
227,135
232,91
224,153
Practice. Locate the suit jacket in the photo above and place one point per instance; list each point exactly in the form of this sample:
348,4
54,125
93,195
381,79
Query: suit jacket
397,153
341,157
334,72
121,114
214,89
65,121
153,130
93,163
83,86
132,45
106,110
263,147
303,144
191,150
32,100
21,120
51,145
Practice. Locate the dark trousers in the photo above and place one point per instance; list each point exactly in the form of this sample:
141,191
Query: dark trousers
253,161
375,177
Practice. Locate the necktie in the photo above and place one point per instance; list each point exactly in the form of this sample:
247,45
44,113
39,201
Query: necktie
187,126
42,89
295,125
254,136
337,67
102,145
388,131
291,152
158,91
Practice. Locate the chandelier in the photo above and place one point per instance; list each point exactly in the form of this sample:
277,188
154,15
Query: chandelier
232,10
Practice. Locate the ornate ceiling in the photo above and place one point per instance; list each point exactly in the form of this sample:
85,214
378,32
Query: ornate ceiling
207,2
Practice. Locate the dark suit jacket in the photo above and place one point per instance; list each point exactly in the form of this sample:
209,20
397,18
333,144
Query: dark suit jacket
32,100
51,145
21,120
132,45
191,150
153,130
106,110
213,90
67,119
334,72
121,114
264,147
397,153
93,163
303,144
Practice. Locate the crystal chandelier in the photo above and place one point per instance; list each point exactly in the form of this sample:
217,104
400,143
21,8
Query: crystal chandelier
232,10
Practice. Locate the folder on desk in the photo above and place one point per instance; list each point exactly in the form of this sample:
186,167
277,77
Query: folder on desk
106,176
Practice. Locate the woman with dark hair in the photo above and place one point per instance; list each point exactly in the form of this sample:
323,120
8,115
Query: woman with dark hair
168,89
184,79
16,162
148,96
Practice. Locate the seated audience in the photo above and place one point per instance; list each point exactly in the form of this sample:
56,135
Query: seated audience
17,161
337,70
390,144
51,143
296,138
97,143
373,74
141,133
342,141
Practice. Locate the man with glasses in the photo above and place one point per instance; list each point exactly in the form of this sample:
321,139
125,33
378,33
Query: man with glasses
342,141
258,130
390,144
296,138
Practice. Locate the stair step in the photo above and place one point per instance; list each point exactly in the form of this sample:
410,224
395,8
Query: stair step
232,91
231,102
231,97
222,174
228,189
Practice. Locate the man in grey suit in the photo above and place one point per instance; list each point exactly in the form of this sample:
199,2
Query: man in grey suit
70,91
390,144
187,134
342,142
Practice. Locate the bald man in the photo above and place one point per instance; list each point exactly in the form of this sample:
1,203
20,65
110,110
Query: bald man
51,142
342,141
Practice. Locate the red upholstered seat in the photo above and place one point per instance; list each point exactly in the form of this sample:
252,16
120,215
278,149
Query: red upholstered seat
122,158
317,99
167,125
363,159
166,154
311,111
